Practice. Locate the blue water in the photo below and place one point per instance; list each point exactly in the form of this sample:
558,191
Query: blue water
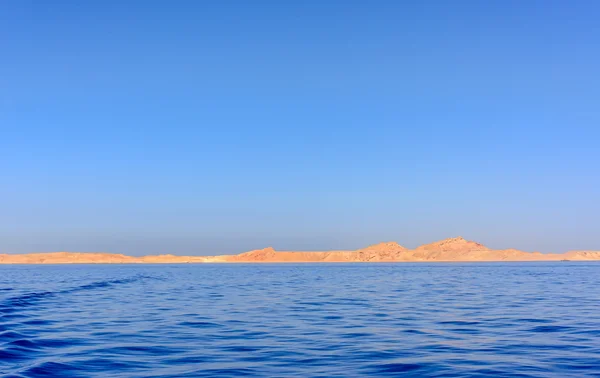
345,320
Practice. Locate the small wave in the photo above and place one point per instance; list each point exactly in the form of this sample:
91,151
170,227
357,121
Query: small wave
395,368
241,349
459,323
550,329
11,335
53,369
232,372
532,320
193,324
133,350
355,335
25,343
13,304
12,355
37,322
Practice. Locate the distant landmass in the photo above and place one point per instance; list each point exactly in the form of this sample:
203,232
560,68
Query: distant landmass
448,250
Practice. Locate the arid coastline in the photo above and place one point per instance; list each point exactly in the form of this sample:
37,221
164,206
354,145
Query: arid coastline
448,250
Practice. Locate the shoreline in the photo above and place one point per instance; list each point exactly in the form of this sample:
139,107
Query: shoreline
448,250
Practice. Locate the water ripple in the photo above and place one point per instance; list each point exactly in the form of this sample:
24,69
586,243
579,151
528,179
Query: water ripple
338,320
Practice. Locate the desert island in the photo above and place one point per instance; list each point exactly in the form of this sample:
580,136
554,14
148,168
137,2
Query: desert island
449,250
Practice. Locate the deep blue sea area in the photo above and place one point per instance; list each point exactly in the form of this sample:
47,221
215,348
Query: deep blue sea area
301,320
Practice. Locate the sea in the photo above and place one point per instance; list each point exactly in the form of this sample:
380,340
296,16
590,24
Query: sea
535,319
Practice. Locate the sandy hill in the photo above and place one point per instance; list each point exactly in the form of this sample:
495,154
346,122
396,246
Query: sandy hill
390,251
66,258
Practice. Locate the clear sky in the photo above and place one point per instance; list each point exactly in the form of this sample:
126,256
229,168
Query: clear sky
204,127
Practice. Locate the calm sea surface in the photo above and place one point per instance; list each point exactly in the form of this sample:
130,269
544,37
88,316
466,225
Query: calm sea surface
302,320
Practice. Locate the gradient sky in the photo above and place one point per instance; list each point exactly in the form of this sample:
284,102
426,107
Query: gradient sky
206,127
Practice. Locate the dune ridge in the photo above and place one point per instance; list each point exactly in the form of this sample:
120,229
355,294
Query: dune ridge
447,250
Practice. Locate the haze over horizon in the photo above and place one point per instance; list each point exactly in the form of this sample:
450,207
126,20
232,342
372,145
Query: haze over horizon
203,128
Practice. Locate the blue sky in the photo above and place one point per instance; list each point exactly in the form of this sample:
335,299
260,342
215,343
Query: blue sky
204,127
